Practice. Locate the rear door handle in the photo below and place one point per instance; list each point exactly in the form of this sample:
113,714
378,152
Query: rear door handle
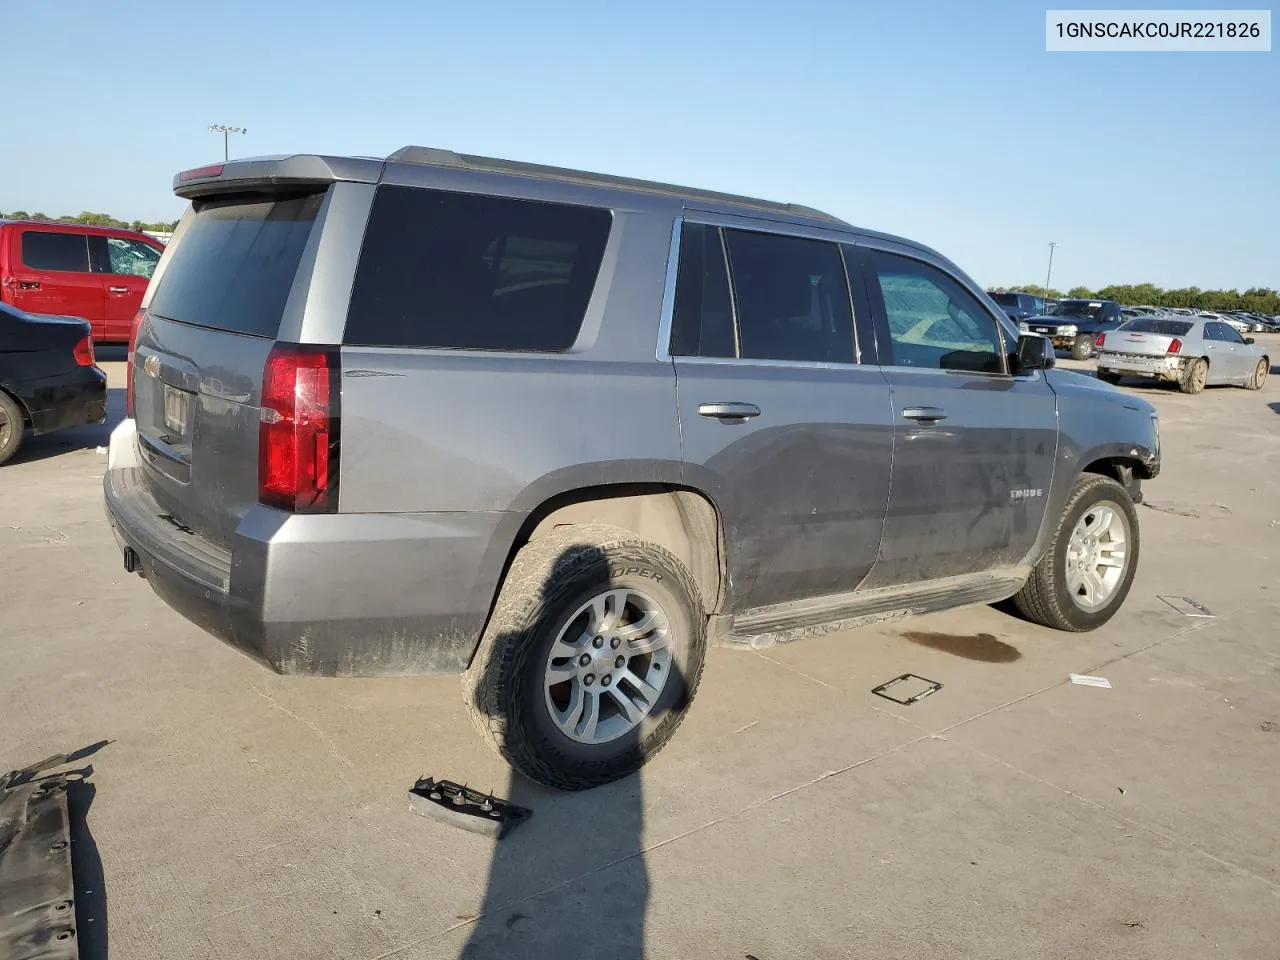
725,410
117,289
924,414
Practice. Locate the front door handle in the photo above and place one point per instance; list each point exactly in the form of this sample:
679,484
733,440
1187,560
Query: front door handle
924,414
117,289
28,284
723,410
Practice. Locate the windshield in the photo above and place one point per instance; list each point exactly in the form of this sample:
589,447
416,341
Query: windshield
1160,325
1078,308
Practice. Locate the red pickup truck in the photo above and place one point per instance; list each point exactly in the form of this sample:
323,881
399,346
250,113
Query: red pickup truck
69,269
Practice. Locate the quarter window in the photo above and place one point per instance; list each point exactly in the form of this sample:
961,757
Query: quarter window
469,271
933,321
702,324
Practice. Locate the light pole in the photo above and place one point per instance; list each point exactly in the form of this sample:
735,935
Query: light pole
1049,272
223,129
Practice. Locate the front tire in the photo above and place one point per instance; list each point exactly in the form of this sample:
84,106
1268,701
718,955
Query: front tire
11,427
1082,347
1195,376
1259,377
1084,577
545,688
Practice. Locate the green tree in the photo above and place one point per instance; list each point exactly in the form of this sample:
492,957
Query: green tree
1080,293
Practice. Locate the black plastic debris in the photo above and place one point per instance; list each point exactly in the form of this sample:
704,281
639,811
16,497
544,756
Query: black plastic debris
37,893
907,689
460,806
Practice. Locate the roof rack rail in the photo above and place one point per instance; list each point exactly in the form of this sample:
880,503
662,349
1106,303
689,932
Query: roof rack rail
435,156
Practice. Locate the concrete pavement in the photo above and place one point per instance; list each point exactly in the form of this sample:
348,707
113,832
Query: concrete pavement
1012,814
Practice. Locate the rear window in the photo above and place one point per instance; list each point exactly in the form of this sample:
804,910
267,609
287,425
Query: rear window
468,271
1160,325
1005,299
235,264
55,251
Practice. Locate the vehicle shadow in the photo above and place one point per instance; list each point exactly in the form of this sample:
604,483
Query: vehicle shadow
571,882
1275,407
88,437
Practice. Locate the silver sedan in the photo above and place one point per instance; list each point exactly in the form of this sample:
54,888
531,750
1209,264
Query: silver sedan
1192,352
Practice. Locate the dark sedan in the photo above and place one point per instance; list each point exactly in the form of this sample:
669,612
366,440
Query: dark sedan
48,378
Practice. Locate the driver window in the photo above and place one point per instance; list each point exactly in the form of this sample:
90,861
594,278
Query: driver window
933,321
131,257
1229,333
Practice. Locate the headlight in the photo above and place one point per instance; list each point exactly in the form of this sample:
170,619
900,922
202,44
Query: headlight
1022,327
1069,330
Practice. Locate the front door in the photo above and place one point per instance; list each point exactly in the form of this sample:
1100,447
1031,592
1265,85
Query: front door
127,266
973,447
779,423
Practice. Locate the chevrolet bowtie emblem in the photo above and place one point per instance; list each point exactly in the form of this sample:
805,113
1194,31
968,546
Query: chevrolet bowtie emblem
151,366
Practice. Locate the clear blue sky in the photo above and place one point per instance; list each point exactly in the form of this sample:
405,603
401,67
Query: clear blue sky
946,122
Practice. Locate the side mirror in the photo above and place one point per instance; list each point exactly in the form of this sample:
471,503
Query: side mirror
1034,353
1249,340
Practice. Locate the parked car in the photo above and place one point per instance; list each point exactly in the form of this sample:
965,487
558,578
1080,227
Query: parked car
1019,306
1240,326
1075,324
557,431
48,378
98,273
1191,352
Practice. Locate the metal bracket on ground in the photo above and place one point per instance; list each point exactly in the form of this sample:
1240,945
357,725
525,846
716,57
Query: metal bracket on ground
460,806
907,689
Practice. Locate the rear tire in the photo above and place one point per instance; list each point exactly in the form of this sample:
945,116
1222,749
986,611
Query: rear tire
1259,375
11,426
1195,376
1047,597
1082,347
1106,376
561,595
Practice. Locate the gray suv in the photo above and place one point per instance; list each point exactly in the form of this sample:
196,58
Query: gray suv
558,431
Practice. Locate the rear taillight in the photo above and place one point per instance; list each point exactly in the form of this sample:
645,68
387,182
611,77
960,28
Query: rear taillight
200,173
1099,340
1175,346
298,429
134,327
83,351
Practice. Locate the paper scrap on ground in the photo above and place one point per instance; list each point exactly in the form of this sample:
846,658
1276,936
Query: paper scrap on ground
1087,681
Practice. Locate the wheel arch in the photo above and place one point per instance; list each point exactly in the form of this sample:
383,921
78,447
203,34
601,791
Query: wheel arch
682,519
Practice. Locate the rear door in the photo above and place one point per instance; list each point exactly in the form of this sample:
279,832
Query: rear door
973,447
126,265
215,313
1230,354
780,424
52,275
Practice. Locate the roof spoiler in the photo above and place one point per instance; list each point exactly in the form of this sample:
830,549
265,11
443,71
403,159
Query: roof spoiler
272,174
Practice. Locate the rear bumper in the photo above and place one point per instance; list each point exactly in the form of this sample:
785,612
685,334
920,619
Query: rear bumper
1130,365
72,399
328,595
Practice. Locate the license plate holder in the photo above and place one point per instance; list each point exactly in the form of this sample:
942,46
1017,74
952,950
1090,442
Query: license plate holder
177,410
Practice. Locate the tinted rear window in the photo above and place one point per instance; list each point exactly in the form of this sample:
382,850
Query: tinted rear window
1160,325
468,271
235,264
1006,299
55,251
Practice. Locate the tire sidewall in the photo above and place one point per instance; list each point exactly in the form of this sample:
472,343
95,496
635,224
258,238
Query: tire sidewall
16,429
1190,385
1080,619
1082,349
640,570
